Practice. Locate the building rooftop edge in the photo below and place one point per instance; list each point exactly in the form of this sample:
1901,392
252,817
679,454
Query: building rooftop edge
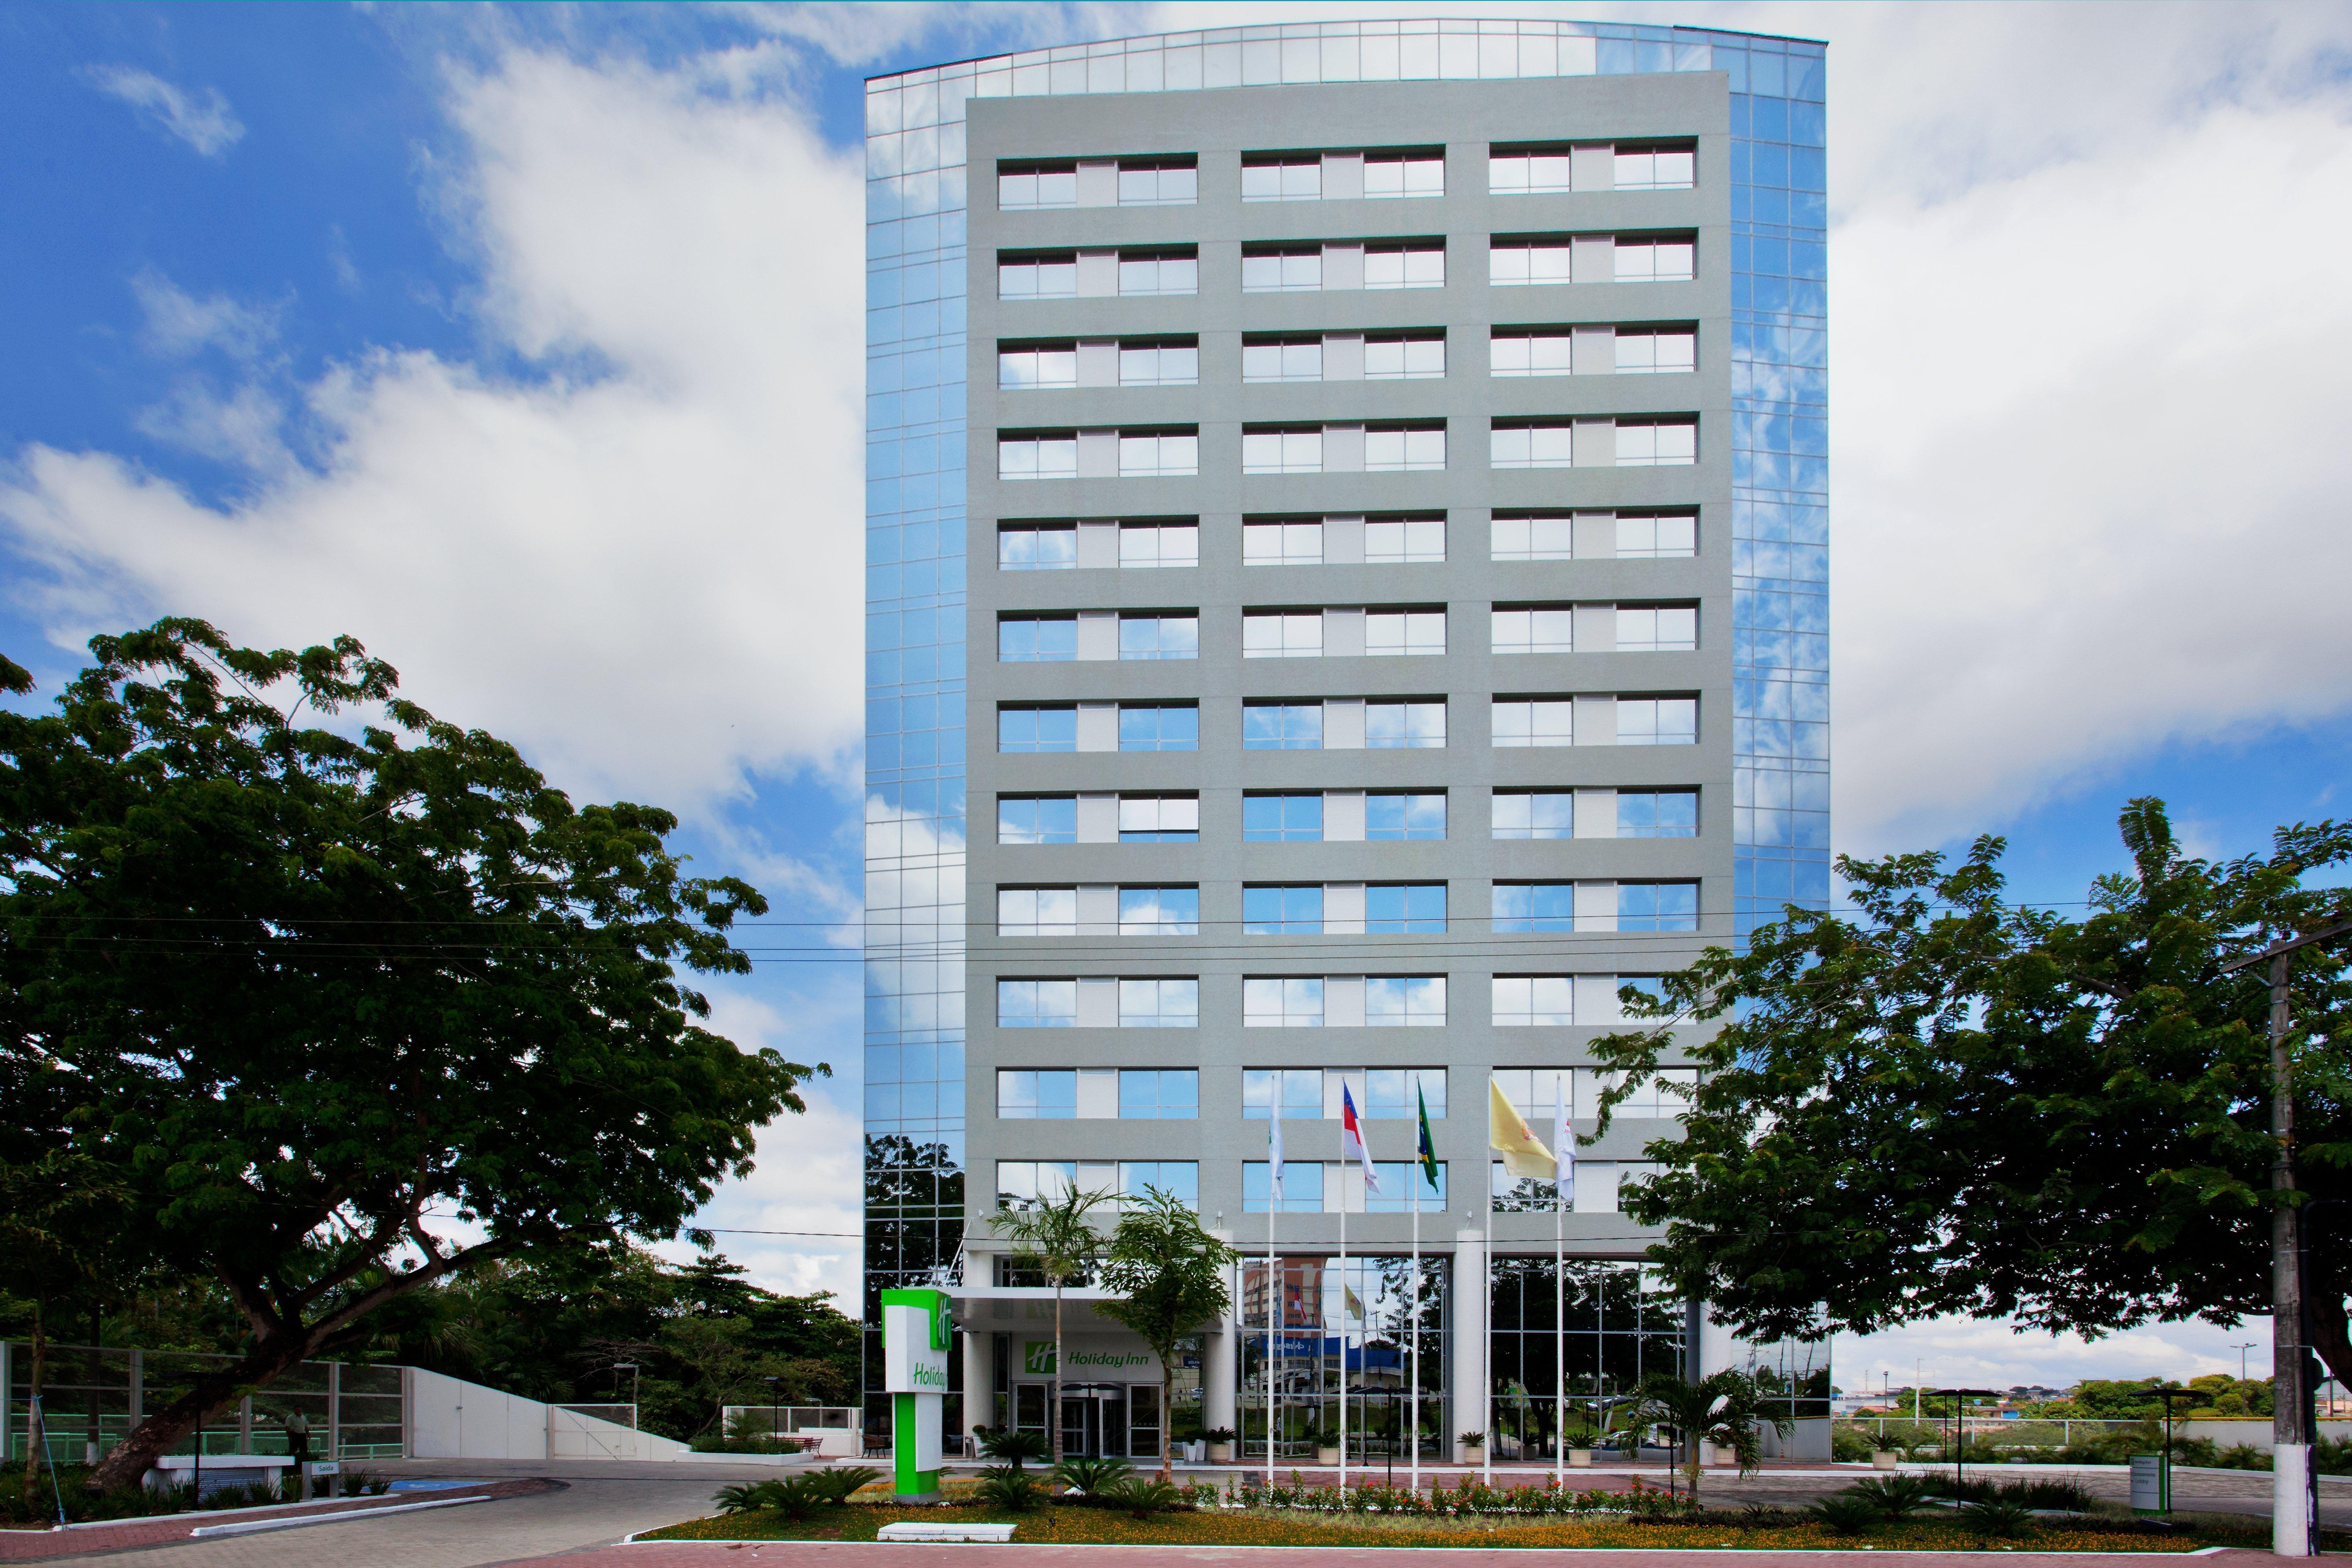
1277,31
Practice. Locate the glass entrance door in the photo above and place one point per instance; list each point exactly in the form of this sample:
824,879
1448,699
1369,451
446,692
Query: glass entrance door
1094,1420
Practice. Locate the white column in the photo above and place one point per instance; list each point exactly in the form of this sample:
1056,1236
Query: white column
979,1369
1467,1397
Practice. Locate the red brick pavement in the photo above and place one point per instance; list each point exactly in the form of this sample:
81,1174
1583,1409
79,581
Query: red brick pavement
911,1554
32,1545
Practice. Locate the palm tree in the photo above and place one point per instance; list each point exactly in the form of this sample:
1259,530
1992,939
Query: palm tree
1057,1238
1725,1408
1171,1275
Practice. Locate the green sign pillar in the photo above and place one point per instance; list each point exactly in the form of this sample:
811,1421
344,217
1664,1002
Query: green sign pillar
915,1334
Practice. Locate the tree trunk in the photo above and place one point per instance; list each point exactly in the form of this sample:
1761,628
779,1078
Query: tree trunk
35,1438
2331,1335
1168,1406
131,1458
1054,1415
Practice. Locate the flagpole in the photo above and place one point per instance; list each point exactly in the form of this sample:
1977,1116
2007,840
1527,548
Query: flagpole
1486,1327
1273,1282
1413,1352
1343,1325
1563,1151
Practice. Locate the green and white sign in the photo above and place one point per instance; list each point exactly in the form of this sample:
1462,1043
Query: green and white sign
1037,1361
917,1333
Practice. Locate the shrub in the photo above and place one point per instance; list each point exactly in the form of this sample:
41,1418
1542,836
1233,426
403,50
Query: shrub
1893,1496
1846,1514
1009,1488
1092,1476
2003,1519
839,1484
1848,1447
1142,1496
2072,1496
742,1498
1012,1445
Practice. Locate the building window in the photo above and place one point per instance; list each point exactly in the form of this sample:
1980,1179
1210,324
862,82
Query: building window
1391,175
1159,727
1404,909
1290,1002
1657,721
1297,177
1180,1179
1159,272
1298,1091
1405,1186
1273,270
1657,813
1538,174
1409,264
1519,351
1022,186
1038,547
1282,359
1036,639
1302,1187
1282,819
1533,628
1522,261
1396,1094
1656,443
1037,820
1037,911
1159,1003
1404,448
1051,276
1281,633
1175,363
1657,628
1020,1182
1657,905
1153,544
1404,632
1392,816
1533,444
1660,536
1404,540
1278,910
1535,813
1669,168
1404,357
1404,726
1535,906
1037,1003
1282,727
1654,260
1534,722
1159,181
1054,729
1661,351
1159,1094
1044,1094
1408,1002
1533,536
1278,451
1159,819
1053,457
1158,454
1284,544
1533,1001
1036,367
1171,634
1159,912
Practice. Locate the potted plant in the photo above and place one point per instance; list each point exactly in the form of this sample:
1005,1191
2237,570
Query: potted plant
1220,1445
1579,1448
1472,1442
1327,1448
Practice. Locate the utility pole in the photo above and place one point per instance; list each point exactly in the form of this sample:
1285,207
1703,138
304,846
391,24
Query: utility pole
2294,1486
2241,1350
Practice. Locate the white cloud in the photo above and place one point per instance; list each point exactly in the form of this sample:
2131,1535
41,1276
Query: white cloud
859,34
205,122
612,566
178,325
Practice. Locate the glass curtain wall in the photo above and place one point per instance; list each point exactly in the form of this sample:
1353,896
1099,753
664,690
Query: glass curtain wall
1350,1334
1621,1324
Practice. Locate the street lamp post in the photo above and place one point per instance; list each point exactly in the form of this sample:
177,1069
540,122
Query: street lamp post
2241,1350
2164,1465
1960,1398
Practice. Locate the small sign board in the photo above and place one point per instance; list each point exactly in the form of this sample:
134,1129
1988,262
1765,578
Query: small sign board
323,1468
2147,1483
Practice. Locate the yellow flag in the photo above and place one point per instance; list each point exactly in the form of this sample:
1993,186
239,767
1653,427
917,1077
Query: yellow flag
1524,1154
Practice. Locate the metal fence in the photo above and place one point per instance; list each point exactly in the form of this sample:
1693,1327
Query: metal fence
91,1397
2056,1432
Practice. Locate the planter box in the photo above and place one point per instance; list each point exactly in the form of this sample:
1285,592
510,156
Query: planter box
1580,1458
1882,1459
1329,1456
1221,1453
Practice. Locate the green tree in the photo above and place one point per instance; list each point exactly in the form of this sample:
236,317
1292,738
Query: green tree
1725,1408
316,986
1953,1104
1057,1238
1170,1277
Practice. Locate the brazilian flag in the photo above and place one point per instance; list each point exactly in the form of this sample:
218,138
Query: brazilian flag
1428,1145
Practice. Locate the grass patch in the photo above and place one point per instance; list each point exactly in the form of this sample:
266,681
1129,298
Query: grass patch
1271,1527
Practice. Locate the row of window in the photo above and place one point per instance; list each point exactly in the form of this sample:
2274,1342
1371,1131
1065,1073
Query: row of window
1407,354
1066,637
1024,185
1306,267
1345,724
1346,816
1308,1186
1393,539
1346,909
1317,1001
1626,441
1308,1094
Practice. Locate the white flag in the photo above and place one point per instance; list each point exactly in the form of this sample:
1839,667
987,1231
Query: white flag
1563,1145
1274,1159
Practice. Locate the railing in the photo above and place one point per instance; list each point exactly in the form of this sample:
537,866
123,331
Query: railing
96,1394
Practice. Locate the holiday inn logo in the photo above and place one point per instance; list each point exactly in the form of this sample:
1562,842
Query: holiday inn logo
1037,1359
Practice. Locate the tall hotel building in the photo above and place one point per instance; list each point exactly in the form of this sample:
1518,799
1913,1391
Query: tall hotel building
1347,541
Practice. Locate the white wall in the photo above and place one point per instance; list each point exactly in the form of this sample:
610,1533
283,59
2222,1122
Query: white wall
449,1418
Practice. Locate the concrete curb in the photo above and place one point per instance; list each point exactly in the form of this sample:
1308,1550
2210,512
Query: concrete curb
254,1526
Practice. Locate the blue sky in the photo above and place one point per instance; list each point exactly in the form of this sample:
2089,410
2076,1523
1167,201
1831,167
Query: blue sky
524,345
